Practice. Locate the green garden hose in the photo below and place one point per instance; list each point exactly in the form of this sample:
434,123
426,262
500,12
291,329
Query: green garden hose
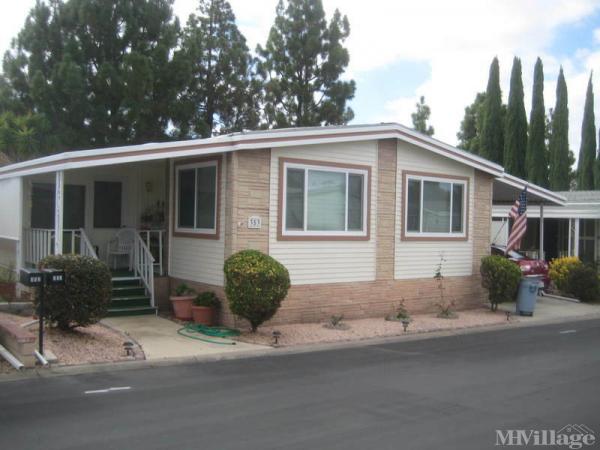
216,332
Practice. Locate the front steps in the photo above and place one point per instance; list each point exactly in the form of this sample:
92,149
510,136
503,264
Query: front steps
129,296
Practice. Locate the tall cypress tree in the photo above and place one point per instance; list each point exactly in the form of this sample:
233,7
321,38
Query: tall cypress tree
597,172
492,132
560,169
515,137
537,159
587,150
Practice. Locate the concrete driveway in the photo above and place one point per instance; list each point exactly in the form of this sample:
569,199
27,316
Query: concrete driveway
159,339
549,308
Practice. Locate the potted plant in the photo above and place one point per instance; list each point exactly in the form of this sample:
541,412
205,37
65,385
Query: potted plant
182,302
204,308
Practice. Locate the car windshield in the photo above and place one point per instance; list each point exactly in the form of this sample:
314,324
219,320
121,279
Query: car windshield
511,254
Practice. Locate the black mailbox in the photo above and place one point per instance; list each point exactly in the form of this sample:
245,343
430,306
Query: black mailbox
54,277
31,277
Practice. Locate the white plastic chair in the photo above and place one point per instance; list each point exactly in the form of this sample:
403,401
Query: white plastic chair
121,245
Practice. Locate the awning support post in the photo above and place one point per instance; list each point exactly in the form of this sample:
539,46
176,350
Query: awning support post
59,189
542,231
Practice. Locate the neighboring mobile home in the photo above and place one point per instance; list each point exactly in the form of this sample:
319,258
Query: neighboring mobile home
360,215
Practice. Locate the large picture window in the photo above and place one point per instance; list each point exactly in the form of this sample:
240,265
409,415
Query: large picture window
324,201
196,198
435,207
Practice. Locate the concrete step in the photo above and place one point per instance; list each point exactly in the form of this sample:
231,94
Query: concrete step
129,301
131,311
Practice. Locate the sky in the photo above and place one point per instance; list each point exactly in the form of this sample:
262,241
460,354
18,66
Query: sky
401,50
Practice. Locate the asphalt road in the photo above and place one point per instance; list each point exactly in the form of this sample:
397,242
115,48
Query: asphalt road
450,393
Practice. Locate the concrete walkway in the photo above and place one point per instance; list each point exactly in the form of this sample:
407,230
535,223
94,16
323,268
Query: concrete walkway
549,308
159,339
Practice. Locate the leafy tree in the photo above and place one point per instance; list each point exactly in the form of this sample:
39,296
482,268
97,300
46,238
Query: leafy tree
301,65
221,94
492,131
597,168
24,136
515,138
537,159
560,166
421,116
101,73
469,135
587,150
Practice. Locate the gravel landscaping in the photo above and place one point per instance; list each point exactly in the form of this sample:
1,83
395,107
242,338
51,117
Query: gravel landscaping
93,344
313,333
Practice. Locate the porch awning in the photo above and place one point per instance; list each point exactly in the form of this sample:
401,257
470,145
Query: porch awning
508,187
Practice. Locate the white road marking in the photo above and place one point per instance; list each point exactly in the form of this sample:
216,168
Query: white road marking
105,391
568,331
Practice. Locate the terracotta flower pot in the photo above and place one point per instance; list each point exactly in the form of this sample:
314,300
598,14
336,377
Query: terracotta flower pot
203,315
182,306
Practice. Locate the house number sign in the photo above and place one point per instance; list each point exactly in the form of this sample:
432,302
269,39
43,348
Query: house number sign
254,222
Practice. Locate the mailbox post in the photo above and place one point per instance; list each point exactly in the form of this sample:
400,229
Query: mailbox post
41,279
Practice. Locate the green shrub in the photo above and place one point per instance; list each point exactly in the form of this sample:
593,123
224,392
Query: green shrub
500,277
255,285
207,298
183,289
560,268
583,283
86,295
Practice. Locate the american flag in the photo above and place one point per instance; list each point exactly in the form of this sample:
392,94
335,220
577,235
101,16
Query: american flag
518,213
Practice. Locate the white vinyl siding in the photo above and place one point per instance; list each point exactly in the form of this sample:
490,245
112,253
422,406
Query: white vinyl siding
326,261
418,259
200,260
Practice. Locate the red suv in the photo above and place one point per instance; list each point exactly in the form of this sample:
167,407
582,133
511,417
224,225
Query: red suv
527,265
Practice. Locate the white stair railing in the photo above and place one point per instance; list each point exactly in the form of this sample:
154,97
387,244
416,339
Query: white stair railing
85,246
39,243
143,264
154,240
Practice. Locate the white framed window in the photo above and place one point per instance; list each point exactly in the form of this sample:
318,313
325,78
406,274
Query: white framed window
196,197
435,207
321,200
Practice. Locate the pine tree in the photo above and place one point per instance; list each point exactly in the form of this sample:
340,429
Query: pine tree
560,169
597,172
301,65
421,116
587,150
469,135
220,95
537,159
492,132
100,73
515,137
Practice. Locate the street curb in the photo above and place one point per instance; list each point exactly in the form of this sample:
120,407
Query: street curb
278,351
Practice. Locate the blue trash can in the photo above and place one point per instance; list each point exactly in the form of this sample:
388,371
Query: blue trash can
528,290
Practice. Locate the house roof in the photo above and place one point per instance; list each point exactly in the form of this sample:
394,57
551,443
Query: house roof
246,141
507,189
587,197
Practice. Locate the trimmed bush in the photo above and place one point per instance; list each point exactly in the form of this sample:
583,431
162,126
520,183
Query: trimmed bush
583,283
560,268
255,285
500,277
86,295
208,299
